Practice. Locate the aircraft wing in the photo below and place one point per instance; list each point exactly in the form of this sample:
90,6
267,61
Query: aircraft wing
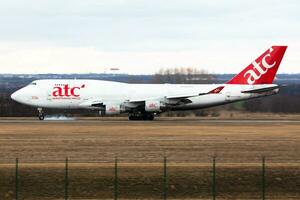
166,98
93,103
261,90
179,98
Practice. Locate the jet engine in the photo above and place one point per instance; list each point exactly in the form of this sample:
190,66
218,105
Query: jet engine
153,106
110,109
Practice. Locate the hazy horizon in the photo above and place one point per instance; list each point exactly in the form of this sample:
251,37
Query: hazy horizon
140,37
110,73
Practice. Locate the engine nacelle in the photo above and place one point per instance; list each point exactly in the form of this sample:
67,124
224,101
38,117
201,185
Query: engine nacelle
153,106
112,109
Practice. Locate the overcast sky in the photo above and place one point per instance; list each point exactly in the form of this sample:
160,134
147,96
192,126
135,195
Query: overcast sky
142,36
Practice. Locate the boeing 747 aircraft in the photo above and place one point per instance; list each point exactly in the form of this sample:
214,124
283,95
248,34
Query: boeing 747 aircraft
144,101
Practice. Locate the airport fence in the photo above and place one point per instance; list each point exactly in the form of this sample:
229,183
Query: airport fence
73,179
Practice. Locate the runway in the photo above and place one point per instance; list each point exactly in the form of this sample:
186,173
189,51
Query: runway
156,121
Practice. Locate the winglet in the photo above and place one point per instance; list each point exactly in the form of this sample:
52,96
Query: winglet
216,90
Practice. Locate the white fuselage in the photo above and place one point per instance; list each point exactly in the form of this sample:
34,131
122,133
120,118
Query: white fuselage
73,94
143,101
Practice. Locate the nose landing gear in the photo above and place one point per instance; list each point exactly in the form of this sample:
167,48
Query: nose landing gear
41,114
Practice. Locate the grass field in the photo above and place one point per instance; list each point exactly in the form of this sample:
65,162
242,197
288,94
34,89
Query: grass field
189,146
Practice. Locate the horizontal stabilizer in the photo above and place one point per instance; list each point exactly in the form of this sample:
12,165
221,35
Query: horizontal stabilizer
261,90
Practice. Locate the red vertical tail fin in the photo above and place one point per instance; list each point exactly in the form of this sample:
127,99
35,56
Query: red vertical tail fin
263,69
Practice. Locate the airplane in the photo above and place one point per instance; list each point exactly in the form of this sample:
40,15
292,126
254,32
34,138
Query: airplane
144,101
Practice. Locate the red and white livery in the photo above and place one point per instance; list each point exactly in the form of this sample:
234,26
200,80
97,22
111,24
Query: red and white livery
143,101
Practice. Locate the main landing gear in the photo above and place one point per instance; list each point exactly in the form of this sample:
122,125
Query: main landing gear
141,116
41,114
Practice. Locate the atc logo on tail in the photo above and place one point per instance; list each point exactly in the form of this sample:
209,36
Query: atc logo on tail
263,69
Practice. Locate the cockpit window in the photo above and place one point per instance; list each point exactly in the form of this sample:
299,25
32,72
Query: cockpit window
33,83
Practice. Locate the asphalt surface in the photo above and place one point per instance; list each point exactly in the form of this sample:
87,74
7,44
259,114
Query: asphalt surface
158,120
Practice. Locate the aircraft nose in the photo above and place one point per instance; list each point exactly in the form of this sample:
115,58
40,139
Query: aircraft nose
15,96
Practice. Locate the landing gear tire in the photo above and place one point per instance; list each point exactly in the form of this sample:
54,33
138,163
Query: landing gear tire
131,117
148,117
144,117
41,114
41,117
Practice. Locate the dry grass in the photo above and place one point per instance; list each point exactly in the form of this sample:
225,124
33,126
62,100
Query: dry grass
181,141
140,146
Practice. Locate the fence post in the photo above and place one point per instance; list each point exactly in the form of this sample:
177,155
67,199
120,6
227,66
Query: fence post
214,179
17,180
67,179
116,182
263,178
165,179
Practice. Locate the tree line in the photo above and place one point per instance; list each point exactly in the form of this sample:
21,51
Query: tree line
287,101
